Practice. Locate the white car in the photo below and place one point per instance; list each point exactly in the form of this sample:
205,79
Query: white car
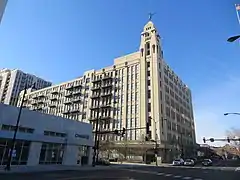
178,162
189,162
207,162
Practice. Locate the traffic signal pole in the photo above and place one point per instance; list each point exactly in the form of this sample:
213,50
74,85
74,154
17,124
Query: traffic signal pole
221,139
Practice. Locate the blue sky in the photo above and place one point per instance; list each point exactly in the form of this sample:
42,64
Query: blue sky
59,40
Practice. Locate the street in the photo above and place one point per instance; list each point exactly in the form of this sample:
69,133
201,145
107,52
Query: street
124,173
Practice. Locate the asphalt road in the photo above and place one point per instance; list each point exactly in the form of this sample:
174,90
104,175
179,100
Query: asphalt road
134,173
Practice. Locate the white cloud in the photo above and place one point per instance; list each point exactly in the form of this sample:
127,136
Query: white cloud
211,103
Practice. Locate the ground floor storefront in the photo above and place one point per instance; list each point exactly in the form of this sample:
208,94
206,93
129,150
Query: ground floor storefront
34,153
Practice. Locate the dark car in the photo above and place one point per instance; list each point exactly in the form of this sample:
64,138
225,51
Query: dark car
207,162
103,162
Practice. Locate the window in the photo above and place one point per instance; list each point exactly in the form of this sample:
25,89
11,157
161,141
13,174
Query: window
148,64
167,111
51,153
148,48
20,154
149,94
153,47
149,107
148,73
21,129
54,134
148,83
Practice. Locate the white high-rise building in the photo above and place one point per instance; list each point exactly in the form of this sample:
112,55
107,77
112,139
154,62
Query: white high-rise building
137,91
12,82
3,4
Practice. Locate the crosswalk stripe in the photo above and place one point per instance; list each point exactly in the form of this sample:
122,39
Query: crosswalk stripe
160,174
187,178
167,175
177,176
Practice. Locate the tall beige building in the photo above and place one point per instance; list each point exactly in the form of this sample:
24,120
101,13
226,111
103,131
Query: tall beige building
138,89
12,82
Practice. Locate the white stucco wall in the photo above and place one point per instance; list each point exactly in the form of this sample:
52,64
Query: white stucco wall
41,122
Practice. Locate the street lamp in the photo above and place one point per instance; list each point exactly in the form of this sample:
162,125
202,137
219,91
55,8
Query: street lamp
226,114
233,38
8,166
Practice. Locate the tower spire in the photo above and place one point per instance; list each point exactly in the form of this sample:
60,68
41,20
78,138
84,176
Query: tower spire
150,15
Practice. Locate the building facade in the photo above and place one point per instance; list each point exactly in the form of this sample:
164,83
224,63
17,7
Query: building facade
44,139
3,4
12,82
138,91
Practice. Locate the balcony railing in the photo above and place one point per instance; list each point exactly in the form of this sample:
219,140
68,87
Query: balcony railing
54,92
52,105
52,98
69,88
75,110
106,77
95,96
106,93
94,107
107,85
95,88
77,85
67,102
77,93
68,94
76,100
96,80
41,95
105,105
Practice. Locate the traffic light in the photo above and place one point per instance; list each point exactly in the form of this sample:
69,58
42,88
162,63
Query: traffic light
211,139
228,140
204,140
123,131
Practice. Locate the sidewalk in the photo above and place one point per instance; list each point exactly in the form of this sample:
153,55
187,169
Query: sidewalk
139,164
49,168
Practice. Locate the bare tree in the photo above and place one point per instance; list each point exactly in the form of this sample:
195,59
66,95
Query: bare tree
234,133
105,148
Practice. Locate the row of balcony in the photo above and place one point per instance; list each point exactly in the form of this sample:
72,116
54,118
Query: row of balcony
102,79
101,95
100,106
72,111
108,117
72,93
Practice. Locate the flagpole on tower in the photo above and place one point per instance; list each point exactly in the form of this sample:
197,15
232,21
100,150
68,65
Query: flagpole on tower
234,38
237,8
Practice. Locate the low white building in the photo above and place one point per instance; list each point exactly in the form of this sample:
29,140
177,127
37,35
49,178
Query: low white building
44,139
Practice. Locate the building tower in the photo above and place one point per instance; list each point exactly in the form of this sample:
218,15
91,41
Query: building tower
139,92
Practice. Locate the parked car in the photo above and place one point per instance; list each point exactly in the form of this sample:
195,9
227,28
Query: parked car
178,162
189,162
207,162
103,162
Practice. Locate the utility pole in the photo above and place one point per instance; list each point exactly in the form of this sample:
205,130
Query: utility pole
10,150
182,154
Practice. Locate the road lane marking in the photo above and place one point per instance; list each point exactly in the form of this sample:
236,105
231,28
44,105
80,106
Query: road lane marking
177,176
187,178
